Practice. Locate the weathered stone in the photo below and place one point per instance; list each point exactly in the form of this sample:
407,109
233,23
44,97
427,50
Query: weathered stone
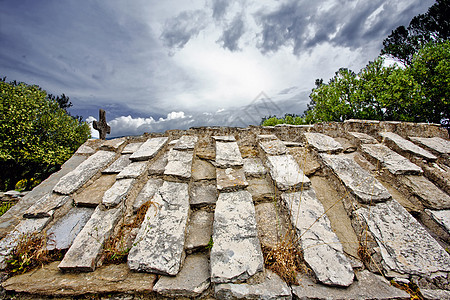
131,148
203,193
224,138
159,245
87,246
306,160
75,179
346,144
149,149
192,281
404,145
273,147
179,165
253,167
363,138
361,183
429,194
186,142
45,206
203,170
112,145
322,250
115,194
266,137
273,287
199,230
286,173
117,166
92,195
158,167
101,125
442,217
272,226
395,163
85,150
236,254
64,231
230,179
436,144
228,155
206,151
322,142
368,286
133,170
261,189
147,192
49,280
439,174
435,294
406,247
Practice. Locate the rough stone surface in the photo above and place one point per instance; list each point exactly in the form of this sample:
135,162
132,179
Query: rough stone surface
179,164
306,160
186,142
48,280
253,167
147,192
322,250
363,138
272,226
395,163
199,230
224,138
230,179
323,143
261,189
273,287
406,247
368,286
407,146
87,246
117,166
158,167
442,217
203,170
429,194
159,245
75,179
44,207
236,254
266,137
64,231
131,148
93,194
203,193
286,173
192,281
436,144
435,294
112,145
361,183
133,170
149,149
228,155
273,147
84,149
114,195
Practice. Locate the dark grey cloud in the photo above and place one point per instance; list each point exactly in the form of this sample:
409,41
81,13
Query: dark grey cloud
219,8
232,34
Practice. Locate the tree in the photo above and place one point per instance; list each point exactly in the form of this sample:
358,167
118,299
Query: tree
36,134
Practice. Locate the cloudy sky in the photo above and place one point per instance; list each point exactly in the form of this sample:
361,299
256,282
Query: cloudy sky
158,65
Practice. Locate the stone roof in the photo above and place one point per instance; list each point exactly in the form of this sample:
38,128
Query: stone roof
365,201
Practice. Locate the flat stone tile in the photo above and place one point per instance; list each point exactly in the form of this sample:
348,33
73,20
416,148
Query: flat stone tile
85,150
395,163
407,146
131,148
224,138
230,179
261,189
363,138
266,137
112,145
272,226
179,165
286,173
429,194
273,147
158,167
236,254
203,193
203,170
147,192
88,168
199,230
159,244
92,195
45,206
186,142
323,143
117,166
119,191
322,250
436,144
435,294
442,217
149,149
254,167
361,183
228,155
133,170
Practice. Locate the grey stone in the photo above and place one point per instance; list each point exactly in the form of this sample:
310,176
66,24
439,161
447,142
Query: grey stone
273,287
133,170
230,179
261,189
286,173
407,146
442,217
203,193
87,246
158,167
253,167
271,224
45,206
368,286
199,230
115,194
203,170
92,195
436,144
273,147
322,142
75,179
186,142
117,166
64,231
435,294
112,145
159,245
429,194
406,247
149,149
363,138
84,149
361,183
179,164
147,192
236,254
224,138
228,155
322,250
395,163
131,148
266,137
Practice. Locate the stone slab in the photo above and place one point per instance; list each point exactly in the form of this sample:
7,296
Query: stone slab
179,165
118,165
266,137
92,195
131,148
85,150
203,193
442,217
363,138
393,162
361,183
271,224
254,167
159,244
148,191
87,246
186,142
406,247
203,170
272,288
286,173
273,147
62,234
112,145
429,194
119,191
75,179
224,138
236,254
158,167
261,189
322,250
368,286
323,143
436,144
45,206
407,146
435,294
230,179
228,155
149,149
199,230
133,170
192,281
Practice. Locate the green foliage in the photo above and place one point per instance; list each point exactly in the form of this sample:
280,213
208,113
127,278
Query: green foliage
291,119
210,243
36,134
5,206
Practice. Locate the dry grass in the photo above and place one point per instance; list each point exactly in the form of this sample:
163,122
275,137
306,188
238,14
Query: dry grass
411,288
